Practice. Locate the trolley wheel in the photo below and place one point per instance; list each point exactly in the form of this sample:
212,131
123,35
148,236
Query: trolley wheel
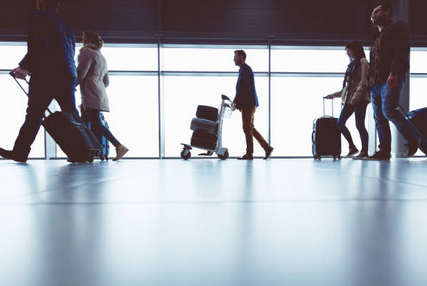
185,154
225,156
90,159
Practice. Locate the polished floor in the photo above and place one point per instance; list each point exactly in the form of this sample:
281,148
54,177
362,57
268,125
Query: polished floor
296,222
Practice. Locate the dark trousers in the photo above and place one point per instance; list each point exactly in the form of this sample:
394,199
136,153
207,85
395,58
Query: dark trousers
385,102
93,116
41,94
248,114
359,110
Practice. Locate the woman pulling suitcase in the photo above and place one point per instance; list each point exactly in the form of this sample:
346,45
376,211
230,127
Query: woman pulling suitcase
355,97
92,75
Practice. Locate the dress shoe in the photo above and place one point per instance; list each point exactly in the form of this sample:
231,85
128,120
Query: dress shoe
268,152
13,155
362,154
412,147
352,150
379,156
246,157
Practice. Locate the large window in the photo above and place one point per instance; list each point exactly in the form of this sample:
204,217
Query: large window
290,82
198,76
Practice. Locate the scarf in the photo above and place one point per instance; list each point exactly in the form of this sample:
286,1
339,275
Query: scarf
351,69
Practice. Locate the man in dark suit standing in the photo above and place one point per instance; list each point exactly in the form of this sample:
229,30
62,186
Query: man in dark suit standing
50,62
246,101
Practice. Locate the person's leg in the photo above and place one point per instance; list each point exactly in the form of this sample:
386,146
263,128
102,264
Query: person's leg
267,148
381,122
391,99
94,117
258,135
247,121
64,93
346,112
360,113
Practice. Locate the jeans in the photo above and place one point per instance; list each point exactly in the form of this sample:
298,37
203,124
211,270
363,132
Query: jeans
94,118
248,115
385,102
359,110
40,96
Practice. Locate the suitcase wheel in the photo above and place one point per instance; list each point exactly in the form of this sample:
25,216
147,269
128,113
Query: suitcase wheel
223,157
185,154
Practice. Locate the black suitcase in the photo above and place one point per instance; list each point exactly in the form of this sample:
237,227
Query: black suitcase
74,138
418,120
202,139
207,112
105,152
326,137
203,124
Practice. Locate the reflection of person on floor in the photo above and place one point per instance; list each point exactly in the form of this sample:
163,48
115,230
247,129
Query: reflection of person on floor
246,101
50,60
355,97
92,76
389,64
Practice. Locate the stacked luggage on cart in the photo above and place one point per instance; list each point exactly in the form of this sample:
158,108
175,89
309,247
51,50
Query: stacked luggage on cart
207,131
205,127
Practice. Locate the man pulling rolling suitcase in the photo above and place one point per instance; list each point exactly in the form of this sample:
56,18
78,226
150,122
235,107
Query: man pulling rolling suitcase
50,61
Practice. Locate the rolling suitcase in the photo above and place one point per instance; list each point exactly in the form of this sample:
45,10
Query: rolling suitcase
74,138
105,152
326,137
207,112
203,124
418,120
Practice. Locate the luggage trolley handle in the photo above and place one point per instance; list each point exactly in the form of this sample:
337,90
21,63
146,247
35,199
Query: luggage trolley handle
332,104
20,85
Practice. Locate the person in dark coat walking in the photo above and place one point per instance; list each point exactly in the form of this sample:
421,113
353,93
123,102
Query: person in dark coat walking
50,62
246,101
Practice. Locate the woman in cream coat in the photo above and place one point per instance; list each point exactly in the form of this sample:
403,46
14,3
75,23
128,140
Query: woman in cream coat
355,97
92,75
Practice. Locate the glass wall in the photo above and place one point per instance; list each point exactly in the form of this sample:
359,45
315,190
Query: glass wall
199,76
290,92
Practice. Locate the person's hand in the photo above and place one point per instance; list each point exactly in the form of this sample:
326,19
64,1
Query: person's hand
392,81
233,106
20,72
329,96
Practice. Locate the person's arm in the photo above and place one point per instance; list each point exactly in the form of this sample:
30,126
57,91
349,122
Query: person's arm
334,95
362,85
85,61
400,61
38,44
106,80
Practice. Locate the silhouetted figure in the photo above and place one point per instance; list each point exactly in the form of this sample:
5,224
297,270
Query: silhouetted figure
355,97
389,64
50,62
92,76
246,101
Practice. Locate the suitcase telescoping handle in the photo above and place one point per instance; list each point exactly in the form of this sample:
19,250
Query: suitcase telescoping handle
332,103
13,75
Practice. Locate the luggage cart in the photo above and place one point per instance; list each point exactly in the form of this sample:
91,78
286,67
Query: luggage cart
215,145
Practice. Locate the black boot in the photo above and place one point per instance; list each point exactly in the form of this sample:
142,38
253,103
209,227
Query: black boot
17,156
